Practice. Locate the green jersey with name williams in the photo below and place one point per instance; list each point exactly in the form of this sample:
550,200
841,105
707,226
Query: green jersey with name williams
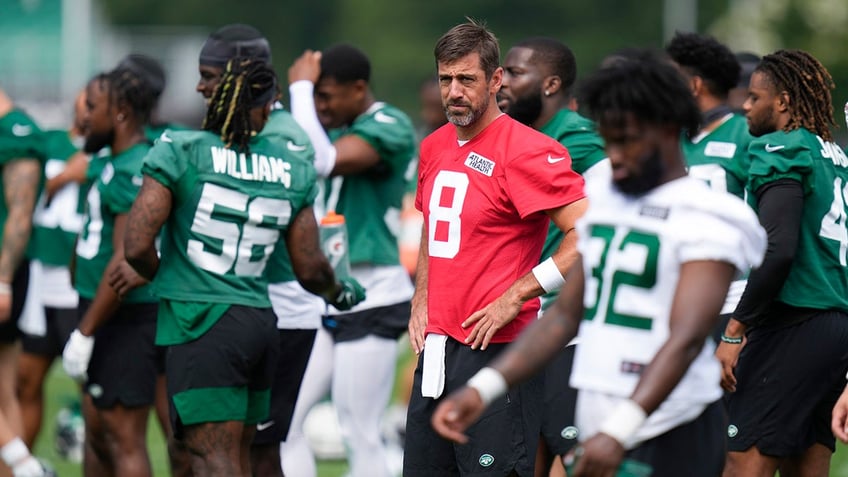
282,126
111,194
586,148
371,200
229,212
20,138
57,223
818,277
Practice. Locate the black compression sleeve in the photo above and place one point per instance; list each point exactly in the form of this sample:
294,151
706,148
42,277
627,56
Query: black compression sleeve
780,205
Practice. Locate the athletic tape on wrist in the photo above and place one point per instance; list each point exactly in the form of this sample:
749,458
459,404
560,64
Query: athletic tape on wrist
5,288
624,421
548,275
489,383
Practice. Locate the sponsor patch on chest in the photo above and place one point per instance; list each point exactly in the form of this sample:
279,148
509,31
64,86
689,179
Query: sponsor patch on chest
480,163
720,149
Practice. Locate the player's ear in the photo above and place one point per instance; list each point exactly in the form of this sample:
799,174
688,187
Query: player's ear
551,85
782,101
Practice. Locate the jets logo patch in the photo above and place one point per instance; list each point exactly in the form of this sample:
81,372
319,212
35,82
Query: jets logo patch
480,164
732,431
486,460
570,433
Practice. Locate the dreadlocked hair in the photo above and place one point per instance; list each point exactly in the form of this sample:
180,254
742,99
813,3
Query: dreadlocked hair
246,82
128,86
808,84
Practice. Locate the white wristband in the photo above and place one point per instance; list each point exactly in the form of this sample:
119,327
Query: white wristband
489,383
548,275
624,421
5,288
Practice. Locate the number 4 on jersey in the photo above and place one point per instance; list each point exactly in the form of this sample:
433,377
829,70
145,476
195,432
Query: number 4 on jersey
833,225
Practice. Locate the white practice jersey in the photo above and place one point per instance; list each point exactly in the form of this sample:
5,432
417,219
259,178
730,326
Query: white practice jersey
632,251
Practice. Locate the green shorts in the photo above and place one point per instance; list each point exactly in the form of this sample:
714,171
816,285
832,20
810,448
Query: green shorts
225,374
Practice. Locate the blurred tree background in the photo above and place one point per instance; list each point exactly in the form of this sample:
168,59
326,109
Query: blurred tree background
399,35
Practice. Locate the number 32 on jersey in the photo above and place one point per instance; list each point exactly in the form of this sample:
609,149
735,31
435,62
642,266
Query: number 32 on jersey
624,264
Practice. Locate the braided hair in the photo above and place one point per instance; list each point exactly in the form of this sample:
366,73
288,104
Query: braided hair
808,84
128,86
246,83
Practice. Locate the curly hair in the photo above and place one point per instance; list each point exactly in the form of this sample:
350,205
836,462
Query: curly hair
645,85
706,57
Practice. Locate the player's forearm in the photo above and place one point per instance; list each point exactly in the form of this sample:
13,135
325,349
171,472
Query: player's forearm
780,208
137,238
666,370
103,305
303,111
20,183
144,262
419,298
536,346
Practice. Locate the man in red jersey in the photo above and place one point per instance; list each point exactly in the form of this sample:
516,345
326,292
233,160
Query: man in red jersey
487,186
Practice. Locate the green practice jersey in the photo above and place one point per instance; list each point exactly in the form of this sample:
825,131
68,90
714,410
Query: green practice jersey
57,223
281,124
721,156
228,215
586,148
153,131
111,195
20,138
371,200
818,277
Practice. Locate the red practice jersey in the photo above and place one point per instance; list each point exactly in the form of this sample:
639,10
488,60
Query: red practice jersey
483,205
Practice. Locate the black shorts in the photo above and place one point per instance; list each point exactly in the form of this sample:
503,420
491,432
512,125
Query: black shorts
503,439
226,373
9,331
559,432
389,321
694,449
788,380
61,322
125,361
295,348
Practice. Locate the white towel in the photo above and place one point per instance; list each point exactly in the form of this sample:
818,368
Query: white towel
33,321
433,374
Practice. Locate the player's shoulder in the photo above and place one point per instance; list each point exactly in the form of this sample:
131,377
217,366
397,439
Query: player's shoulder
690,196
19,124
385,113
780,143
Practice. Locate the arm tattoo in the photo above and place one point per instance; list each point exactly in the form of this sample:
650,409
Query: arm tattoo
20,185
149,212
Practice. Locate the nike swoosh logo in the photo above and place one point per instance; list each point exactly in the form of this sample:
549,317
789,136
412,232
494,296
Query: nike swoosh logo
554,160
261,426
770,148
294,147
21,130
164,137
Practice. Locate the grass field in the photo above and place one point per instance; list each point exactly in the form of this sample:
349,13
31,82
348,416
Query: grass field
61,390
